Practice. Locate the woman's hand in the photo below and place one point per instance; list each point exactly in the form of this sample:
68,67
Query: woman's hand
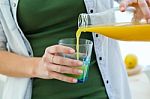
52,66
142,8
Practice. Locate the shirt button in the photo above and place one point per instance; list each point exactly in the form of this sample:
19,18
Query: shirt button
107,81
14,4
29,53
100,58
96,35
91,11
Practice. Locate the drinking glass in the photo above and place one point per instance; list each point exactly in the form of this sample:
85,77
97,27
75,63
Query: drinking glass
85,50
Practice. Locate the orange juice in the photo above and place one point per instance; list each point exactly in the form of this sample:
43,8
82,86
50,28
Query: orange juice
126,32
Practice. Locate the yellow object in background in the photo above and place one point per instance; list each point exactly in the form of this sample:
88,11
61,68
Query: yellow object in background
131,61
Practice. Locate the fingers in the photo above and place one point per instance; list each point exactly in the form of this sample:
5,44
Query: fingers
63,77
143,4
144,8
148,2
57,65
125,3
66,61
123,6
59,49
64,69
49,58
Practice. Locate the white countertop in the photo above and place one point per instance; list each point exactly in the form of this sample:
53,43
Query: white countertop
140,86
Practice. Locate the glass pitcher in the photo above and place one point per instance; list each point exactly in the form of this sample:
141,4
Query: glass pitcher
115,24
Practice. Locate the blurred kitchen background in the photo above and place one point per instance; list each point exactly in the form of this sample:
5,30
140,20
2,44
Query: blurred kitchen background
139,83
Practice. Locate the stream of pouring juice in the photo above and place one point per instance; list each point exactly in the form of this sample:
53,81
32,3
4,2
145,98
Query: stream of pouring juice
124,32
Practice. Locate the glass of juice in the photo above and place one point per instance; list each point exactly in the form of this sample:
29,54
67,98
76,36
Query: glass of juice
83,54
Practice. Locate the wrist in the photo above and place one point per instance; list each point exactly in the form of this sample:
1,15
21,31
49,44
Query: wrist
34,63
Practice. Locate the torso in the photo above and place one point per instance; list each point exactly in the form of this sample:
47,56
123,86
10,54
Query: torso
44,23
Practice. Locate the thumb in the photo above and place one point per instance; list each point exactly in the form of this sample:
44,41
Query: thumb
123,5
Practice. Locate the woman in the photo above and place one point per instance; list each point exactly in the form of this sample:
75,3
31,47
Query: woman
27,25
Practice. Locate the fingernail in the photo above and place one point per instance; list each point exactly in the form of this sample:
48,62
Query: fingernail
72,51
80,63
75,80
80,71
122,9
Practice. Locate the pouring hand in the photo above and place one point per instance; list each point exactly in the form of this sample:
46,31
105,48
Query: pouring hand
141,6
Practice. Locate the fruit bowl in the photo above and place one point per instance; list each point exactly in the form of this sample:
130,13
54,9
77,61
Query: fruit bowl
134,71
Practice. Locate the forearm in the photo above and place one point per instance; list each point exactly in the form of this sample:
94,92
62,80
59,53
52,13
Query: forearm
16,65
